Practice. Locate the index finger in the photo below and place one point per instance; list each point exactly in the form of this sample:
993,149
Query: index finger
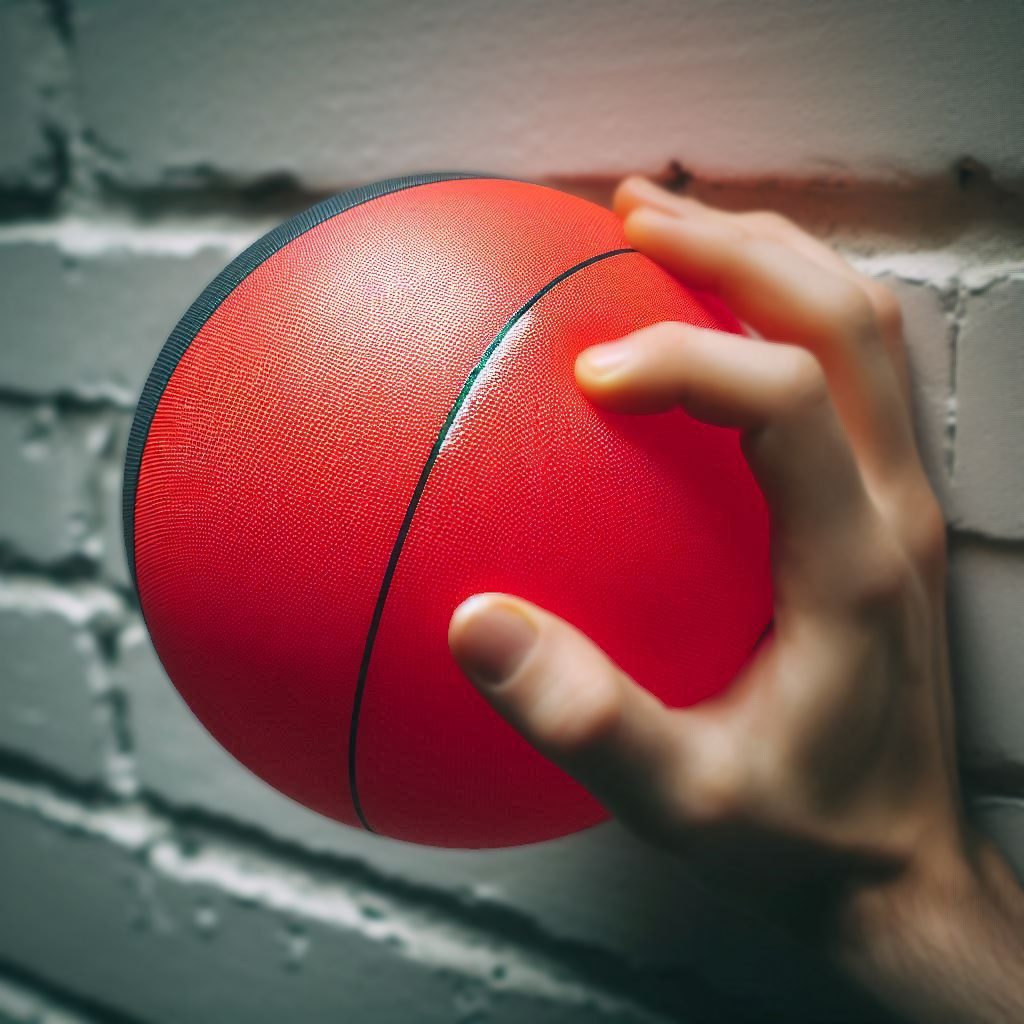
635,192
788,298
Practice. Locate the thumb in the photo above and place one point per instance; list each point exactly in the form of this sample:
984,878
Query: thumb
572,703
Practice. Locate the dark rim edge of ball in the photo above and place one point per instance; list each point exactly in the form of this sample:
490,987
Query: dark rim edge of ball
185,331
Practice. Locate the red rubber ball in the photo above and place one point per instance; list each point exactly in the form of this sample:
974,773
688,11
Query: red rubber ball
370,415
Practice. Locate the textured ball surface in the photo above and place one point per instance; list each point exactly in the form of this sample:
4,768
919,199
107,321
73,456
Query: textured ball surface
370,415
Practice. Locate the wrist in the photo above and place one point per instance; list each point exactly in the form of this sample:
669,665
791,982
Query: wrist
940,939
930,884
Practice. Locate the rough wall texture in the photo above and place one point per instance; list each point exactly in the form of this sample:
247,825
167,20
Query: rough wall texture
144,876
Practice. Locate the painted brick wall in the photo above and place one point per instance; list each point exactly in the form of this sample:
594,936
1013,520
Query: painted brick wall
144,876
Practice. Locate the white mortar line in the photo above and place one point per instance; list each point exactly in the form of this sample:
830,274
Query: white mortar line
112,233
253,877
942,268
20,1002
79,603
75,235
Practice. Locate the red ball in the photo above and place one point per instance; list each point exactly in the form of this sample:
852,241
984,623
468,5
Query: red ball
370,415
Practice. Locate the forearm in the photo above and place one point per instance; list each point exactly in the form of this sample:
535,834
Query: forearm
942,943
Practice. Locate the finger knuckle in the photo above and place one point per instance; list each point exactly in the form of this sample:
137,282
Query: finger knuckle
575,718
805,384
884,577
666,336
849,307
715,795
715,801
770,221
887,306
928,533
688,204
665,349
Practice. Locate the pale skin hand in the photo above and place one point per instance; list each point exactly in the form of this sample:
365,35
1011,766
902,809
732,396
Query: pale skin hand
830,764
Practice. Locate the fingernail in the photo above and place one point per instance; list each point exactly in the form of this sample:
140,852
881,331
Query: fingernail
491,638
604,360
651,186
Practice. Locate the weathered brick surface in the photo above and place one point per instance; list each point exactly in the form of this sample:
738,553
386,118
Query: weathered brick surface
142,920
22,1004
1003,819
348,92
988,478
92,324
928,329
48,508
986,598
109,481
26,156
51,677
212,897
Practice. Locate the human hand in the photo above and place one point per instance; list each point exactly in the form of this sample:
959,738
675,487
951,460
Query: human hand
830,761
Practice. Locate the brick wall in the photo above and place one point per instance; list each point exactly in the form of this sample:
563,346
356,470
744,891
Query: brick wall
144,876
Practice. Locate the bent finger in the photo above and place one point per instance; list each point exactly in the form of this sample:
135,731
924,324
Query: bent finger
793,440
788,297
572,703
635,192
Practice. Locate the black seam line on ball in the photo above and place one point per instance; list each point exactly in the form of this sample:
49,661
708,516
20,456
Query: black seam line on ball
414,501
213,296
